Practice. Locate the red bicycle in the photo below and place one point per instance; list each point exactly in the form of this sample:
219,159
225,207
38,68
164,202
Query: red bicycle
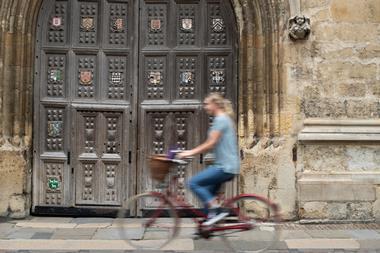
251,226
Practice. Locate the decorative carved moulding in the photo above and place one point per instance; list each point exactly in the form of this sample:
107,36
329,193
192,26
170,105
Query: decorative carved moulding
349,130
299,27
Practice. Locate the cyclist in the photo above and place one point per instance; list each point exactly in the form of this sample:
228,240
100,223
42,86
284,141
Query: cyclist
223,141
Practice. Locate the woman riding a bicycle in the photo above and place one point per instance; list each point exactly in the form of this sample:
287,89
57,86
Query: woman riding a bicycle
222,140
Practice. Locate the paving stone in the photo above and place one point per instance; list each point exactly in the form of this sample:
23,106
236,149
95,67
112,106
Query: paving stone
322,244
70,237
289,234
49,219
42,235
364,234
63,245
370,244
92,220
186,232
279,245
116,234
35,224
5,229
212,244
26,233
336,234
75,232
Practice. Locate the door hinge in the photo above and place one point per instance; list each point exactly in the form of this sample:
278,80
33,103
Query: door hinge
68,157
130,157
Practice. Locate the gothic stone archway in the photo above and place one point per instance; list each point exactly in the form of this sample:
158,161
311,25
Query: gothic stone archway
261,25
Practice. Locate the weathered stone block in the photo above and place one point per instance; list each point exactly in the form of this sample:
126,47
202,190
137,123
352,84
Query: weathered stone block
362,109
344,32
355,11
375,88
321,16
323,108
363,158
342,71
306,4
369,50
334,191
313,210
17,206
376,205
360,211
12,173
324,158
352,90
12,176
337,211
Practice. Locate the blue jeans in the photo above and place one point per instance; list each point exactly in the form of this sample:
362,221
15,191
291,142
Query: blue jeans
206,183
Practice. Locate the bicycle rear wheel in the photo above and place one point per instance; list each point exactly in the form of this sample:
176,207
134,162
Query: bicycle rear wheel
155,225
261,220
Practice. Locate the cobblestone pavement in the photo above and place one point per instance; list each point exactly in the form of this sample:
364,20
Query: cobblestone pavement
98,235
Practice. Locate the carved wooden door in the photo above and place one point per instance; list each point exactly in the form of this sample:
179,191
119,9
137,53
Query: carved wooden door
187,49
118,80
85,80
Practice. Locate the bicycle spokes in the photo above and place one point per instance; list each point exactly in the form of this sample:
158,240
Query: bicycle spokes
256,224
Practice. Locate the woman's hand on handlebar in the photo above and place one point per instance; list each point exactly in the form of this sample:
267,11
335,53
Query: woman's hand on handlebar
184,154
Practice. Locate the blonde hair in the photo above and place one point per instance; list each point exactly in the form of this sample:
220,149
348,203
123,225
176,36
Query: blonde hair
222,103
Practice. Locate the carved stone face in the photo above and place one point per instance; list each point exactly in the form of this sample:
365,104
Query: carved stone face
300,20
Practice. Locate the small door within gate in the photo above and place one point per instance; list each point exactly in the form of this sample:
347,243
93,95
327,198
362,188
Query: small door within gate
116,81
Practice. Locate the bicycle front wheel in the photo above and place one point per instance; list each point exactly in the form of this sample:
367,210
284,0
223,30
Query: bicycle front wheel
256,223
155,221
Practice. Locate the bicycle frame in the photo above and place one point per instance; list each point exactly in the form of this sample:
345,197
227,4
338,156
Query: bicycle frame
177,203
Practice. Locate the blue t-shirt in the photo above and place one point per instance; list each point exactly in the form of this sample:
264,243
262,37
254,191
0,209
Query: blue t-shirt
226,149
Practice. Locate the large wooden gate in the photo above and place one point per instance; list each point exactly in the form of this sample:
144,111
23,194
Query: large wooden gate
117,80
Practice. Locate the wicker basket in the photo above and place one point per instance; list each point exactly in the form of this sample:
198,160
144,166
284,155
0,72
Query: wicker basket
159,166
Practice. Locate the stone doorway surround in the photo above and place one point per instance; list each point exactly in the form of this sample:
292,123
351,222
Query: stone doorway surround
264,110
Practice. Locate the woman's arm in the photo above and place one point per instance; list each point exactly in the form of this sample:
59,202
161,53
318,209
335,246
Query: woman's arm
212,139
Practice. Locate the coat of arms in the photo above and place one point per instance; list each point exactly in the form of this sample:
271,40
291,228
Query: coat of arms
117,25
55,75
186,24
155,24
85,77
54,129
154,77
87,24
217,25
187,77
217,76
116,78
56,22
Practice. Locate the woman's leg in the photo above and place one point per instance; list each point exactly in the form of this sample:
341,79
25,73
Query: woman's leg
206,183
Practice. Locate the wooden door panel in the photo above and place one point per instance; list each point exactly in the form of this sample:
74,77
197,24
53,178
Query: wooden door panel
185,53
188,25
154,23
187,85
86,23
54,176
55,80
100,153
154,79
118,24
166,128
117,79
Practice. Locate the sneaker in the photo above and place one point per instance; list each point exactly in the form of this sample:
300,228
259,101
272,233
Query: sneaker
212,220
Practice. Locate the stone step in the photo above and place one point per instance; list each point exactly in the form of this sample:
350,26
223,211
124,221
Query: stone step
17,244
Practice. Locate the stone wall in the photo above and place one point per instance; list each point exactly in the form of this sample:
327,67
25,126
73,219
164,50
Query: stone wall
338,79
